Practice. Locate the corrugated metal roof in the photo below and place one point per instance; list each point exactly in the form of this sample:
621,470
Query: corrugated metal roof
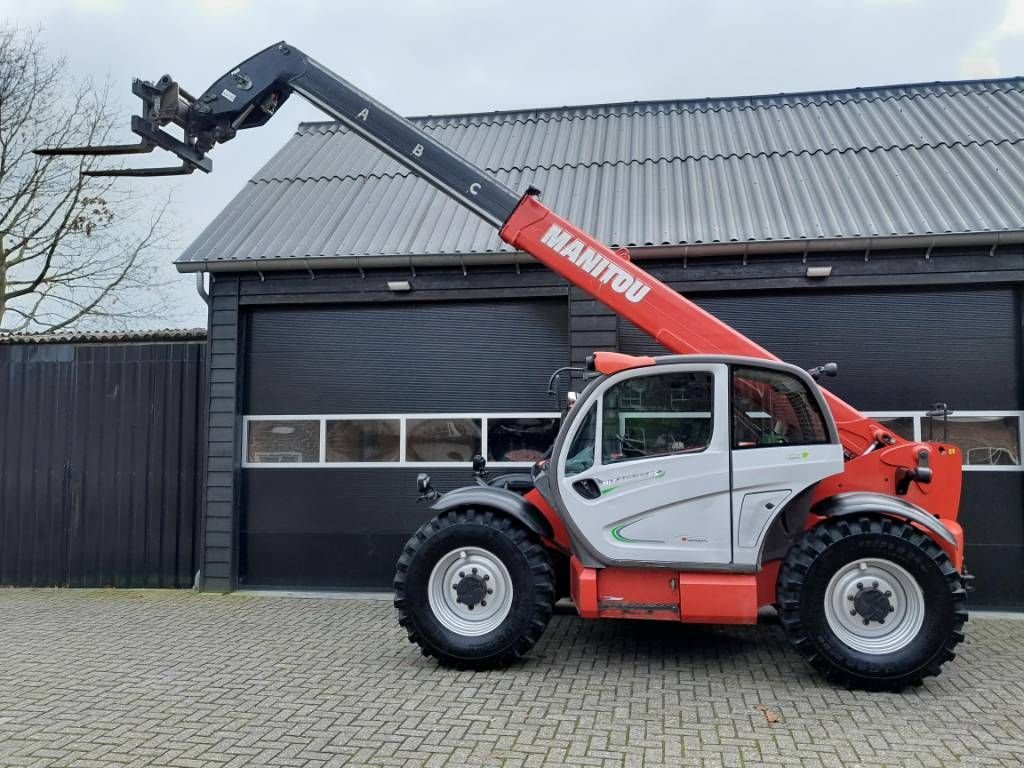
105,337
916,160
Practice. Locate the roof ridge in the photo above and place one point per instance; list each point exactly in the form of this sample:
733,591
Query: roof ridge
690,106
402,172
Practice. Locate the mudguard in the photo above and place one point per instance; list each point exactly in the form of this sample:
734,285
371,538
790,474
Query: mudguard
499,499
862,502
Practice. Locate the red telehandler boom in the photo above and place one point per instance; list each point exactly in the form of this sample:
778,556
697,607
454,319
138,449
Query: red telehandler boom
699,486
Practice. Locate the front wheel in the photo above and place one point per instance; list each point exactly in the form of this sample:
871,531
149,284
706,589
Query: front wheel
474,589
872,602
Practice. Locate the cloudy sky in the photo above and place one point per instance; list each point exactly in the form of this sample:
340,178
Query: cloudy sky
444,56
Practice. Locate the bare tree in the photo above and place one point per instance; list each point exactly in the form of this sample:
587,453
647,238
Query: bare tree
74,250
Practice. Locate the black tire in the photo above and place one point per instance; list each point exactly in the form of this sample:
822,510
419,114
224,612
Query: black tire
532,578
821,552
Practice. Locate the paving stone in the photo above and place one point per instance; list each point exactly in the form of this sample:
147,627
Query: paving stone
185,680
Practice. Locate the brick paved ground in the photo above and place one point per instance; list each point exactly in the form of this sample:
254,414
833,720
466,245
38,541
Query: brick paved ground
98,678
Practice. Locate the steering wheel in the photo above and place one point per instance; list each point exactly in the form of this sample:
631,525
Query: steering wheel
631,447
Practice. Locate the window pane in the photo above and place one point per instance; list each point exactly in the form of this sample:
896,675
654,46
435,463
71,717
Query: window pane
363,440
283,442
901,425
773,408
581,452
442,439
656,415
520,439
984,440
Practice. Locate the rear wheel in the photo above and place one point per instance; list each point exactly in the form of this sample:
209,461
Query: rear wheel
872,602
474,589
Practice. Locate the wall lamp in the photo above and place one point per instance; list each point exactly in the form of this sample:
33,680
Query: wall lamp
819,271
399,286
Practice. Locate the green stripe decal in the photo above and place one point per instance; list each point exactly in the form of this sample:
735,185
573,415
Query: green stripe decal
618,536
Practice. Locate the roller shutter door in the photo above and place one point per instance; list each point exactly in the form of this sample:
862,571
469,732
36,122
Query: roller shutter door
343,527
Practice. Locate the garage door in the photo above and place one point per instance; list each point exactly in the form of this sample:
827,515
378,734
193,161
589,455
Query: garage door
899,351
345,405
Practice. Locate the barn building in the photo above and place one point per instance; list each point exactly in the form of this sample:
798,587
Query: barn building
363,327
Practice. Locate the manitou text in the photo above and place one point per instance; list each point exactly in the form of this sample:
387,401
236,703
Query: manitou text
592,262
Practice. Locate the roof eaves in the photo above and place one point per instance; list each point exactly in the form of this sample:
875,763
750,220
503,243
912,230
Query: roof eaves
106,337
992,239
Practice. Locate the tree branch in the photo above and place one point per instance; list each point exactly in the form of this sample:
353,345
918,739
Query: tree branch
72,248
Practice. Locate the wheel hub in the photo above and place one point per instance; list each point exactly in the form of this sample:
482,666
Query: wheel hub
873,604
471,590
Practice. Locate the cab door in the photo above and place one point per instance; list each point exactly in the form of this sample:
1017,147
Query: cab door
783,442
645,477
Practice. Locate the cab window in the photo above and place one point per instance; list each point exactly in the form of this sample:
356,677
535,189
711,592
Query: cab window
581,453
657,415
774,408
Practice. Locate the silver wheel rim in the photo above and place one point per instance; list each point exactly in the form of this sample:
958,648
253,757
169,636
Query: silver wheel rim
905,610
473,563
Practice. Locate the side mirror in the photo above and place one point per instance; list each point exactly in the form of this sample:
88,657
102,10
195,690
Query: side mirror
426,490
828,369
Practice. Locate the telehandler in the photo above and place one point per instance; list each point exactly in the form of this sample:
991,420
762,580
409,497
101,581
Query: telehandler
698,486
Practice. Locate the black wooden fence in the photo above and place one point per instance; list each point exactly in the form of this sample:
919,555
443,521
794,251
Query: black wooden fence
99,477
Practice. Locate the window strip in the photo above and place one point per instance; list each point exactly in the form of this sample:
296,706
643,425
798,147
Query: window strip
920,417
403,419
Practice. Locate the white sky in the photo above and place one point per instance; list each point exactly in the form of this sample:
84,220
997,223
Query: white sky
434,57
